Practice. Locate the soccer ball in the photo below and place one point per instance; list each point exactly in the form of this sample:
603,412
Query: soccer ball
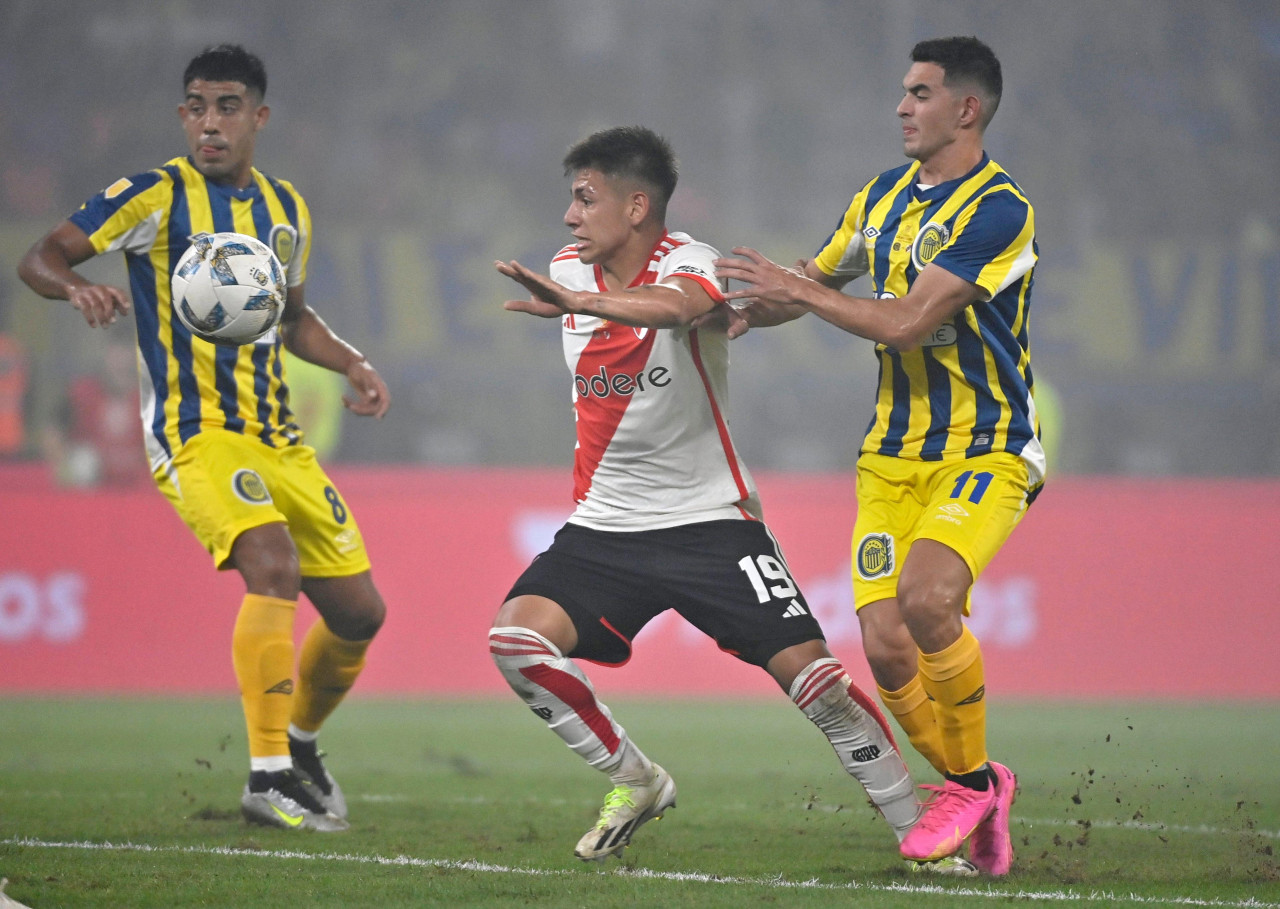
228,288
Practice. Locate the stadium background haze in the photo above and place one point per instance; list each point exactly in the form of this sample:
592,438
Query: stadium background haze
427,138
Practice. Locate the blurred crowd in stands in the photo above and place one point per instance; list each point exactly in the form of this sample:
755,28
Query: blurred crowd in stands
427,138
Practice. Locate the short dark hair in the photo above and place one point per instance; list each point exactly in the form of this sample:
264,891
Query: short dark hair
631,152
965,60
227,63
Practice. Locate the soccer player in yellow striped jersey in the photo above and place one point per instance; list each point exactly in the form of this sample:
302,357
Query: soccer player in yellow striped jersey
223,444
952,457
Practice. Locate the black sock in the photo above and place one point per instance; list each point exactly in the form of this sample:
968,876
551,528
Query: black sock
981,779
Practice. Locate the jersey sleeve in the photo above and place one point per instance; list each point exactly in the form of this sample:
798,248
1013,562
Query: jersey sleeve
844,254
296,272
126,215
992,243
694,260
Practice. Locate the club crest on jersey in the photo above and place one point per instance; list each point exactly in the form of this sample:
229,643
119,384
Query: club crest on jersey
283,240
928,243
249,486
875,556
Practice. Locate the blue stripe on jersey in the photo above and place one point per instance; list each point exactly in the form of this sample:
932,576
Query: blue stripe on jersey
290,206
142,282
1006,356
261,379
899,416
287,202
880,267
973,363
287,422
262,224
939,392
997,218
225,358
179,240
224,379
883,183
99,209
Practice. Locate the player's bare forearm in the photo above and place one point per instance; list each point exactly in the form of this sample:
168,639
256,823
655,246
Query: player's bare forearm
668,305
902,323
48,269
306,336
674,303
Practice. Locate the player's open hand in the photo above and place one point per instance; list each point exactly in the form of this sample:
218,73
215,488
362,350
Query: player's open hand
372,398
100,304
764,279
548,299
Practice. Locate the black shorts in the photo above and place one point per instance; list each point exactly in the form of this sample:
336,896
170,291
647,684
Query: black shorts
727,578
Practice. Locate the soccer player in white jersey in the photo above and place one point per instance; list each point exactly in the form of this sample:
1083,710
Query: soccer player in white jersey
667,516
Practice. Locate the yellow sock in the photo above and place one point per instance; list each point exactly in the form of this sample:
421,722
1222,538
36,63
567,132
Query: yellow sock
262,653
953,677
911,705
326,671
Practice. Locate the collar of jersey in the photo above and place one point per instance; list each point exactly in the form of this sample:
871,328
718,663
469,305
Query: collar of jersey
945,189
226,189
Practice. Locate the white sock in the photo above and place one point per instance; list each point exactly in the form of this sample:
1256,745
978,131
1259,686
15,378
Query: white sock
556,690
272,764
861,738
302,735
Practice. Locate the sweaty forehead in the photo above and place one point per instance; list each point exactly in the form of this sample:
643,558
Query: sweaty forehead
589,179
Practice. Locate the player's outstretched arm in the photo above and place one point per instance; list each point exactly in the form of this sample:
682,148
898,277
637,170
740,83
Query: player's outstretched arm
307,336
935,296
677,301
48,268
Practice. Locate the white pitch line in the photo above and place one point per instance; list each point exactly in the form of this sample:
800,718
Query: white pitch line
950,892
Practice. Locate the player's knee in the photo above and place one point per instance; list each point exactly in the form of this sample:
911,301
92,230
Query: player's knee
513,649
270,572
926,601
891,654
364,621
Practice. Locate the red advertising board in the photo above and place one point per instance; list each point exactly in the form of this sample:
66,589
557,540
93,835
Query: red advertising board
1110,588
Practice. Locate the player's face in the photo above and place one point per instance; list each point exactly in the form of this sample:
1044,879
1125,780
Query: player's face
221,120
600,216
930,112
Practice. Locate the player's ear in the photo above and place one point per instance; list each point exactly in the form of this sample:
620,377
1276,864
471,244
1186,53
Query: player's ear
260,116
639,209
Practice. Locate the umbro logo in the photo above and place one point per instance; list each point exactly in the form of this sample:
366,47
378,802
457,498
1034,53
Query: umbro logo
975,697
544,712
794,610
285,687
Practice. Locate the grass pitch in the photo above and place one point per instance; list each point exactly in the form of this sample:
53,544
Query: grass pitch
135,803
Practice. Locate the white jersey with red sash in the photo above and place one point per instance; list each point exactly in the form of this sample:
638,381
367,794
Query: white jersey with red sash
651,405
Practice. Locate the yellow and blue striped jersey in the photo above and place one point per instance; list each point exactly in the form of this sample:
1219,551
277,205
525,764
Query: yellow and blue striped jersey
967,390
188,384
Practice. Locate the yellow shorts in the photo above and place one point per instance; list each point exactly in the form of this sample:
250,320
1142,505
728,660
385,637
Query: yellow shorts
971,506
223,483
